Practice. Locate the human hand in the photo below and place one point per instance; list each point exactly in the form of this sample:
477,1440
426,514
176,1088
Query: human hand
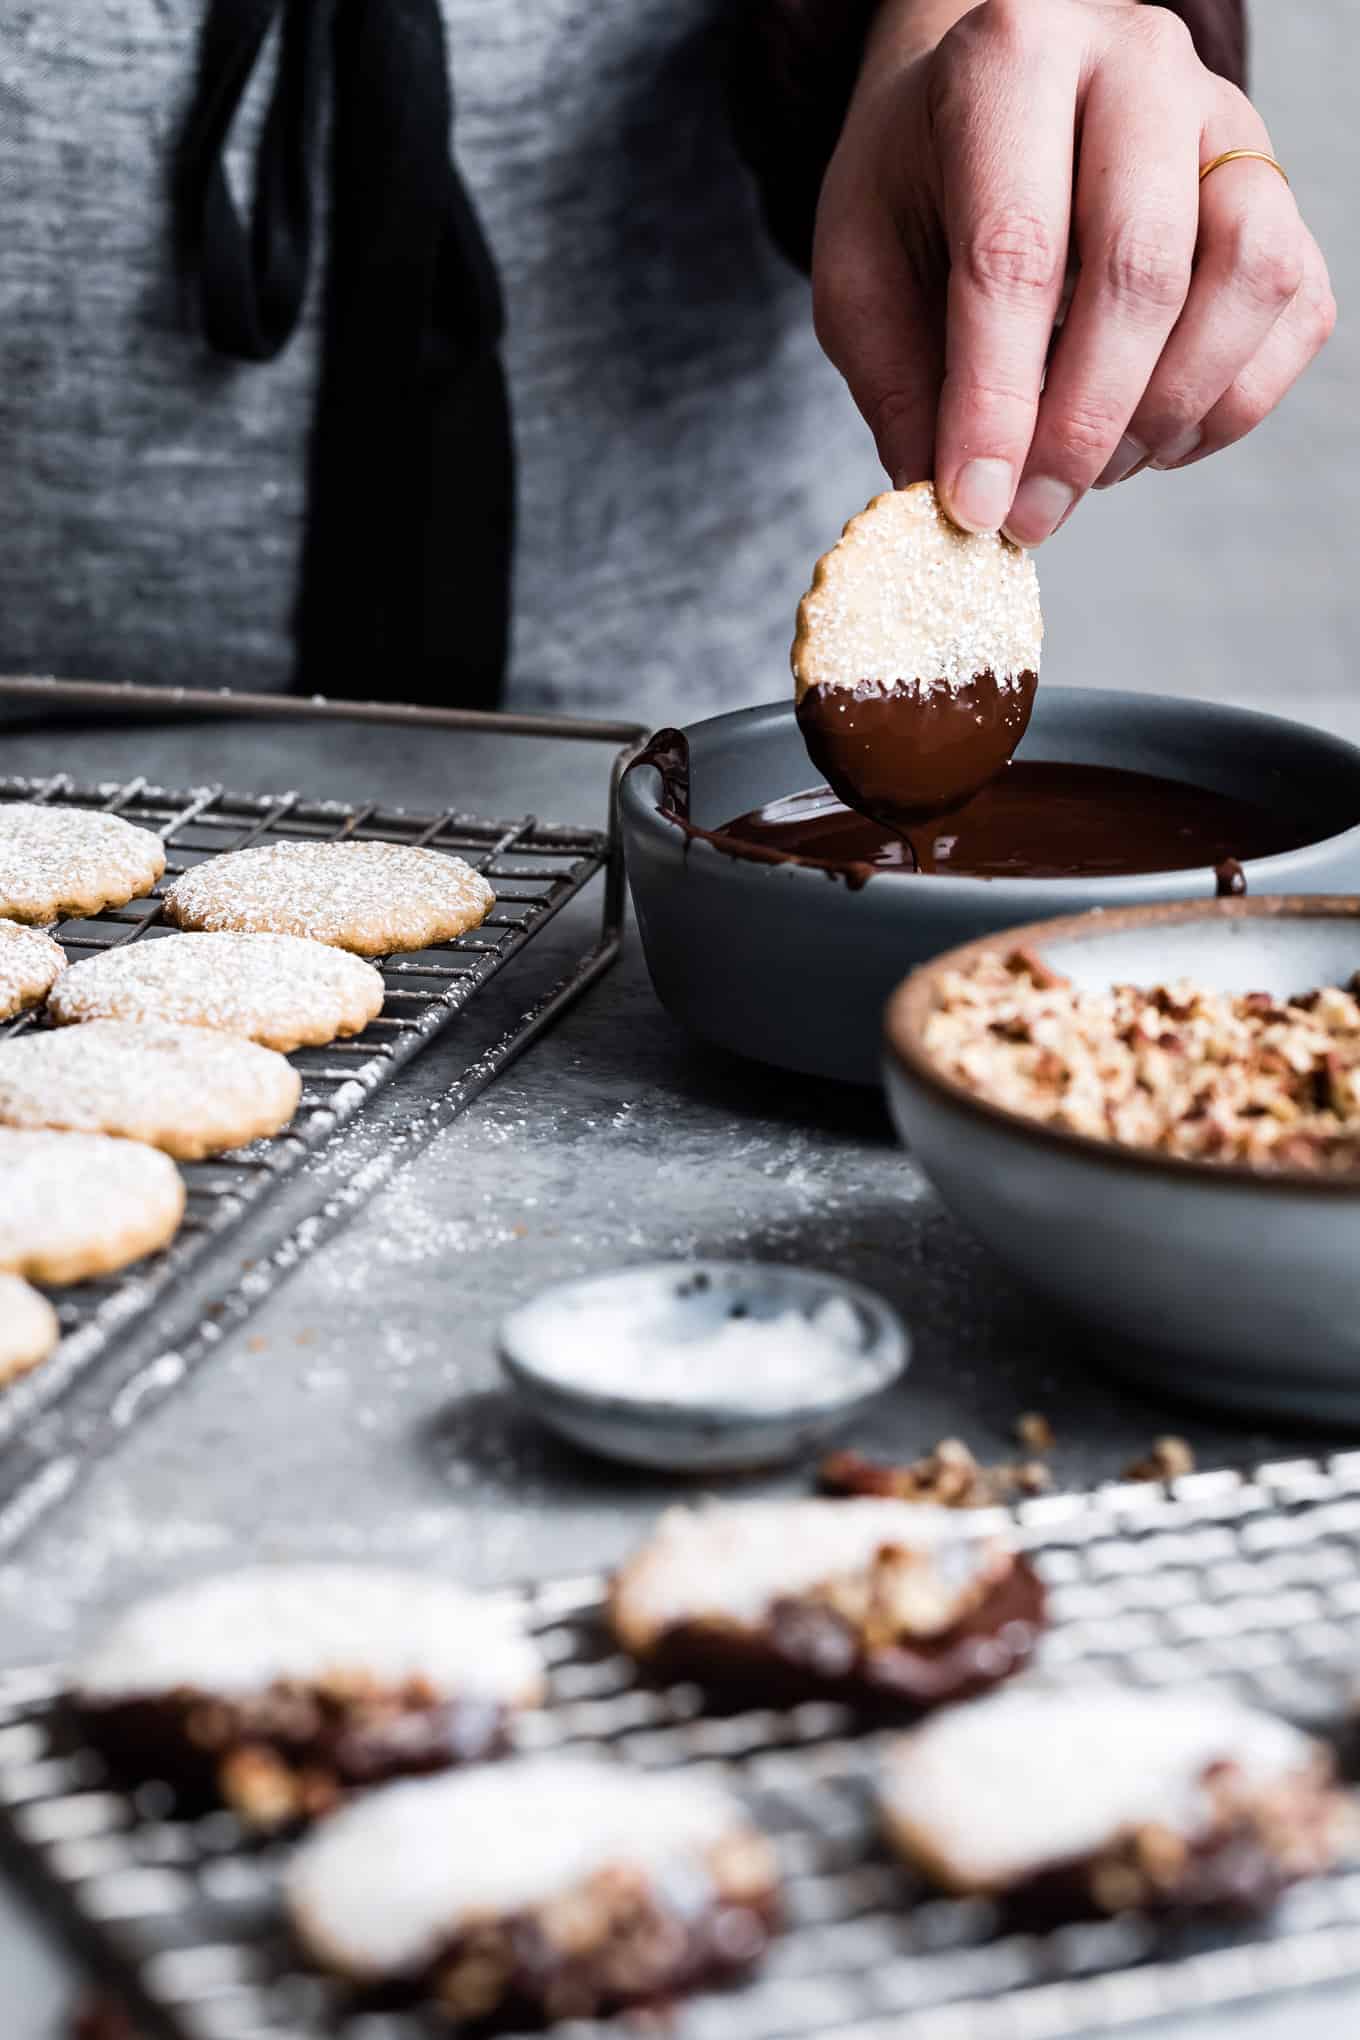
1032,149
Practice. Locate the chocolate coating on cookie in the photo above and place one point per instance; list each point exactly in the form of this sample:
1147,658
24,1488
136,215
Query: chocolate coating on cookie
294,1751
902,751
916,658
808,1651
888,1605
279,1690
542,1889
1088,1800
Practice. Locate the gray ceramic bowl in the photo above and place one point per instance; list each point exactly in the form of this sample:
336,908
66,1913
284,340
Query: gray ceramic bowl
783,963
1238,1288
694,1297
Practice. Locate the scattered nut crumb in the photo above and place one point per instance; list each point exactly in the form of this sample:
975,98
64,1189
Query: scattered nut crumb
257,1344
1023,962
949,1476
1168,1459
1034,1432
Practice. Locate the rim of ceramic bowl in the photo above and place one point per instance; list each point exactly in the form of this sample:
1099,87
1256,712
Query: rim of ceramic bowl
892,1349
912,1003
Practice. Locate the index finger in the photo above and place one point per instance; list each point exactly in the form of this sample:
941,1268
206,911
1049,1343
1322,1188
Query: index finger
1137,204
1005,140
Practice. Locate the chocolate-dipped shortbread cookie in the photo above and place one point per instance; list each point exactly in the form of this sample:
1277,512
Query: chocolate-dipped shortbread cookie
916,658
545,1888
880,1603
279,1689
1096,1800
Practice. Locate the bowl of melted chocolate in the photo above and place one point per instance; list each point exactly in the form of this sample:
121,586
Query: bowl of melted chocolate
776,920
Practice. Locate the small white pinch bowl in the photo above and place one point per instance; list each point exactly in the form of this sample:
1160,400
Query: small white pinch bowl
731,1432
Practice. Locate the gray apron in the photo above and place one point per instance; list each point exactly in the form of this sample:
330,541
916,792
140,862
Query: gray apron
683,451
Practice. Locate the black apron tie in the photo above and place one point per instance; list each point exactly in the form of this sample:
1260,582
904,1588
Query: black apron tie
405,587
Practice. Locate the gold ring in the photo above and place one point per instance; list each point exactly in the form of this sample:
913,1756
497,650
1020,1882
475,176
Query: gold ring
1243,156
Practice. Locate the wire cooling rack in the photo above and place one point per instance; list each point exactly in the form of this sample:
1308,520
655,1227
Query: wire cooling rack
1250,1582
536,868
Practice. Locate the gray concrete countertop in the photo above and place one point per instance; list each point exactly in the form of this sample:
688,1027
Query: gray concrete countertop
359,1410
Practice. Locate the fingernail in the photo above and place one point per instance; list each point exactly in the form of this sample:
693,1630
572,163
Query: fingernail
1179,449
982,494
1040,505
1122,462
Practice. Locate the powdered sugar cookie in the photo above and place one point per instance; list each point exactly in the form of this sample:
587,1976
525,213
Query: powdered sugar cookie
28,1328
373,898
1100,1799
30,964
546,1888
279,990
280,1689
891,1603
80,1204
916,658
183,1089
56,861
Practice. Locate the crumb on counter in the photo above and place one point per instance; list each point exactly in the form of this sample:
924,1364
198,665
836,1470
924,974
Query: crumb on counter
948,1475
1167,1459
1034,1432
1185,1071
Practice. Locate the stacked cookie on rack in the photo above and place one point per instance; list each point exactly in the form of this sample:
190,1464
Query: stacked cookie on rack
170,1048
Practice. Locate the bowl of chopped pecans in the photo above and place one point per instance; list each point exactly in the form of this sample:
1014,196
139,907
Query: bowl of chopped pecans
1152,1115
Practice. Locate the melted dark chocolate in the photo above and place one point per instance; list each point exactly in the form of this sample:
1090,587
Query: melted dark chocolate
901,752
1035,820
